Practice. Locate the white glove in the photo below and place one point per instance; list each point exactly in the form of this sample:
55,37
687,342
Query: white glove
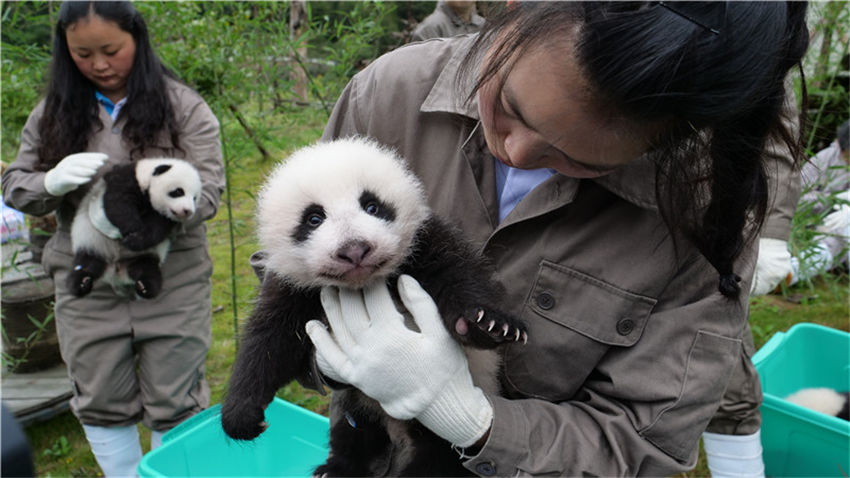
72,172
772,267
421,375
838,221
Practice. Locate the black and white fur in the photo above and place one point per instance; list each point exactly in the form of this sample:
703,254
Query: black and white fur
345,213
824,400
121,229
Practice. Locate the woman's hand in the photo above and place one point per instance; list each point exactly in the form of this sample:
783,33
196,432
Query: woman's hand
772,266
72,172
412,374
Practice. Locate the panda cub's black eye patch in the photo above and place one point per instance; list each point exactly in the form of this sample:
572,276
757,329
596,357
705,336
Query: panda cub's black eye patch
176,193
372,205
311,218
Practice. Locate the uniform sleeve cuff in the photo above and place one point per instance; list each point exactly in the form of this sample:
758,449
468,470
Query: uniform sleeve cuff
502,453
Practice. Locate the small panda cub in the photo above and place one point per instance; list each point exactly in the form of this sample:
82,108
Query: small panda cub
347,213
122,226
824,400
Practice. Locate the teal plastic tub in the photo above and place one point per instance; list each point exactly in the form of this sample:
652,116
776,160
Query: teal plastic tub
798,441
295,443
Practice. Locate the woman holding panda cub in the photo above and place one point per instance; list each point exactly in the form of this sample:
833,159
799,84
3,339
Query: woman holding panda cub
609,159
110,101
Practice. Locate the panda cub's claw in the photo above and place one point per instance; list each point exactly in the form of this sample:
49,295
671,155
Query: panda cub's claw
140,288
146,291
490,329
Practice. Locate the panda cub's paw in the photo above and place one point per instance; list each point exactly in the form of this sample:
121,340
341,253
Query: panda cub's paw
147,278
80,281
336,466
242,423
488,328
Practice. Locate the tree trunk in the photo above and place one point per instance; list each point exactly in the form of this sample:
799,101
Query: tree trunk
297,26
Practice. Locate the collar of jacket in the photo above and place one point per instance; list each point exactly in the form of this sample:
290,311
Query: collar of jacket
634,182
475,19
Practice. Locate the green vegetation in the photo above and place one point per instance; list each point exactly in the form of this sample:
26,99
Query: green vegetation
239,55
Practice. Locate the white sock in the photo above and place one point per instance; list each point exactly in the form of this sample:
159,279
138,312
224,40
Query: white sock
156,439
734,456
116,449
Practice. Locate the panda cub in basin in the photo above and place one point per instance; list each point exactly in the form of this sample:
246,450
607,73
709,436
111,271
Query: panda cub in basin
825,400
346,213
122,226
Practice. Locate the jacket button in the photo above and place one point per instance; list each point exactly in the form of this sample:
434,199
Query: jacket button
545,301
625,326
486,469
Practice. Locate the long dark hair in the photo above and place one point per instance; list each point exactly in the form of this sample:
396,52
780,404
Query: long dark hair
71,109
713,72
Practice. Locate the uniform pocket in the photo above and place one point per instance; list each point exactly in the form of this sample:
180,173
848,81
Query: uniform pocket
589,306
573,319
710,364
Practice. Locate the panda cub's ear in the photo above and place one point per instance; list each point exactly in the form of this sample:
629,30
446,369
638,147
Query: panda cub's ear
161,169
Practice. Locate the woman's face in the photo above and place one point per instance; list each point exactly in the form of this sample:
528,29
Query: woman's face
541,119
103,52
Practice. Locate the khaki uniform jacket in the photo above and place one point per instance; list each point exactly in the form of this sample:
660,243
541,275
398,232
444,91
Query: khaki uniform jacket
825,175
631,345
133,359
444,22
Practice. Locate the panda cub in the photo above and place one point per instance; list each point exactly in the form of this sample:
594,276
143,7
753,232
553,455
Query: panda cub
825,400
122,226
346,213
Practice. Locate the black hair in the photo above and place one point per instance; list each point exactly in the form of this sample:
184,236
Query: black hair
843,135
711,73
71,109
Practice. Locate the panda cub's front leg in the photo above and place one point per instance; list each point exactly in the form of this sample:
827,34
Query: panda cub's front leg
461,282
151,231
273,351
86,268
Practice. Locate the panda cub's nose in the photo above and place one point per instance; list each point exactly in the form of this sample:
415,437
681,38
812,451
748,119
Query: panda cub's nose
182,214
354,252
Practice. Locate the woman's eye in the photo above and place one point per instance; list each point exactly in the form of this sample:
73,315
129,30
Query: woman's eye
504,108
371,208
110,53
315,220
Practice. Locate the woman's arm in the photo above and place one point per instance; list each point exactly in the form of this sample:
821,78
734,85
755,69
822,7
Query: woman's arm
23,185
200,140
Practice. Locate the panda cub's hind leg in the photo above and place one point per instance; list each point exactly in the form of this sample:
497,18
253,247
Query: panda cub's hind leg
87,268
146,276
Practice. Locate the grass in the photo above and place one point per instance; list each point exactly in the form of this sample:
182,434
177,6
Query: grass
59,447
824,302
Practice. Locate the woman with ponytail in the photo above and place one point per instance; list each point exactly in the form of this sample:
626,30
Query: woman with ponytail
110,101
610,159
